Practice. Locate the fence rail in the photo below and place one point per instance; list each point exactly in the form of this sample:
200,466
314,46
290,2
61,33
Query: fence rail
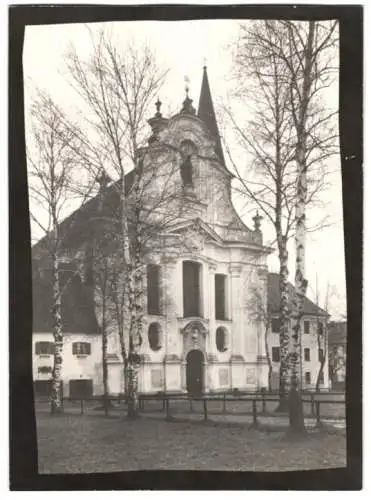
169,404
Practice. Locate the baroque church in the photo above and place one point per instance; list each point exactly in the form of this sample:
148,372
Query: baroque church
200,332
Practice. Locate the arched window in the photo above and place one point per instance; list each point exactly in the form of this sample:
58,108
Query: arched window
221,339
155,336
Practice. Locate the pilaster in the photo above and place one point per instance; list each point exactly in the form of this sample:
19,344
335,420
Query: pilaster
236,313
211,345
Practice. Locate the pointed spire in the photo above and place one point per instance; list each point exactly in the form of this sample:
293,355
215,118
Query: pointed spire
207,114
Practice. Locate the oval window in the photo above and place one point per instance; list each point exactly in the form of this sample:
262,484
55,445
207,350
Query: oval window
221,339
154,336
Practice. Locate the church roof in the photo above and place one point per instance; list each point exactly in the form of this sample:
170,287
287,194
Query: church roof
337,332
78,311
310,308
206,113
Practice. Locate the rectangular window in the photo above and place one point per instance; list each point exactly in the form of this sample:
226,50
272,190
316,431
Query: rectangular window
220,296
307,378
320,328
153,289
275,325
321,378
81,348
191,289
306,354
320,355
46,348
306,327
275,354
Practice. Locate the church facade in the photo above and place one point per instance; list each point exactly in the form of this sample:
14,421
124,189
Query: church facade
201,333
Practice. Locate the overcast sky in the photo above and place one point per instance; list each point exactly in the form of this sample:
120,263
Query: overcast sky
183,47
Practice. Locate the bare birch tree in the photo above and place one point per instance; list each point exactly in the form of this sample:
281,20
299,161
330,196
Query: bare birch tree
270,138
51,168
309,67
117,86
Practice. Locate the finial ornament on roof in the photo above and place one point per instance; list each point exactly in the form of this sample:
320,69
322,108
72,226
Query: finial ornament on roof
187,81
257,221
187,103
103,180
158,107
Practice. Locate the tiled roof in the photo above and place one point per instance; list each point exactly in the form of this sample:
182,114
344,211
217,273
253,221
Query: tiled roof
337,332
78,314
274,297
80,226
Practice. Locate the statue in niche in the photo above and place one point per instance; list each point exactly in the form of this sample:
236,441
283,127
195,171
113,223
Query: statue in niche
187,149
186,172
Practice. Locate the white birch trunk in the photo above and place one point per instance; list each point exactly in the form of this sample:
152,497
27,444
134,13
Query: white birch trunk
284,323
57,384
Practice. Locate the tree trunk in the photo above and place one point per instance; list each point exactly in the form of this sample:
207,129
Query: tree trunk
295,405
104,350
324,356
270,367
284,326
57,384
136,301
136,328
296,408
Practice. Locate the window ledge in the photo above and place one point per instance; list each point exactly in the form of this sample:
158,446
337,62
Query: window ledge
82,355
192,318
44,355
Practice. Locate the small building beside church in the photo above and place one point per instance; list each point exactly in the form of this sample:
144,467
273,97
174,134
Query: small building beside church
314,342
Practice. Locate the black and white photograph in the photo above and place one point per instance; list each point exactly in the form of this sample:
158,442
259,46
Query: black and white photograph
184,195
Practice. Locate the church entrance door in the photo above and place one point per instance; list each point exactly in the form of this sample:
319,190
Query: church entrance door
195,373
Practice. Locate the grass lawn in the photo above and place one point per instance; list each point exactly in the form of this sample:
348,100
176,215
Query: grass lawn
82,444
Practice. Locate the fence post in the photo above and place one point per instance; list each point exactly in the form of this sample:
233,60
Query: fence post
106,403
254,414
163,401
82,407
318,415
224,403
312,400
190,404
167,408
264,404
205,409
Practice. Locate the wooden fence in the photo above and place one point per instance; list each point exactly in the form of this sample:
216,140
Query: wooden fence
258,402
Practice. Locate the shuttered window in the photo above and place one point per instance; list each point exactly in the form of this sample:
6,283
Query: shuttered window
44,348
275,354
275,325
81,348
